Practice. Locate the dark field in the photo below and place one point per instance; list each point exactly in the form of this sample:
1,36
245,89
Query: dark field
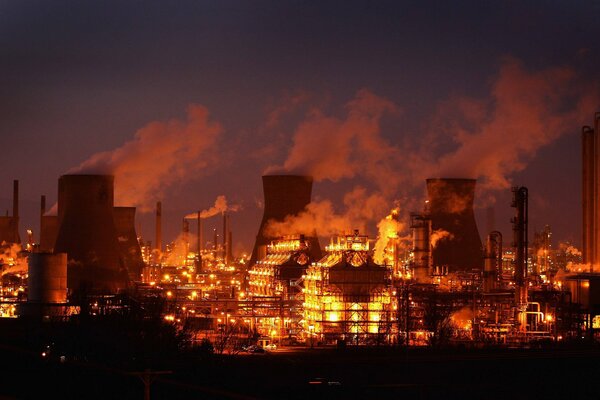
362,373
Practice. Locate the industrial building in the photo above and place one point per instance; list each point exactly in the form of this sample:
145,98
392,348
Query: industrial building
440,285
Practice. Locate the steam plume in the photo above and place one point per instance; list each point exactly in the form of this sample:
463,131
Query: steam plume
525,111
219,207
160,154
439,234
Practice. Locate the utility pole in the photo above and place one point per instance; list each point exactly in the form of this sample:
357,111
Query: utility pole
147,376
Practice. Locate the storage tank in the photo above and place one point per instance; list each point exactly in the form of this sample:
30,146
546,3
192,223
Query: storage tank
47,281
87,233
451,210
284,195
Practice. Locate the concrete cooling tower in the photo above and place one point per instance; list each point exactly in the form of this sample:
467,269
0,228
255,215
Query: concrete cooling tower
87,233
451,210
129,246
284,195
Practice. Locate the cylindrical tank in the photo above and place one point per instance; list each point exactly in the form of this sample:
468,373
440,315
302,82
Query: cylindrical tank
284,195
87,233
130,249
47,281
451,210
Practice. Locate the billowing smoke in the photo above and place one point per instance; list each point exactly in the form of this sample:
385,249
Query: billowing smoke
438,235
180,248
360,207
9,252
159,155
491,138
11,259
219,207
318,215
496,137
573,251
332,148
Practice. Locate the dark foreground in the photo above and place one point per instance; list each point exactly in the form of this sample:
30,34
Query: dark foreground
564,373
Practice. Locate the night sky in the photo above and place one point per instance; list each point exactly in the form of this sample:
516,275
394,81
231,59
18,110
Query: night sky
185,101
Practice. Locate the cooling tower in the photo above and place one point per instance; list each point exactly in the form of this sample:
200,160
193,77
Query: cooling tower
87,233
284,195
130,249
451,210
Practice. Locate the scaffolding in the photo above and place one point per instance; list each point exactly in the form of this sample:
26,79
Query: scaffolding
347,297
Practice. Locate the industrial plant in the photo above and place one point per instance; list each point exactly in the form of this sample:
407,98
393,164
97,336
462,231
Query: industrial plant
449,284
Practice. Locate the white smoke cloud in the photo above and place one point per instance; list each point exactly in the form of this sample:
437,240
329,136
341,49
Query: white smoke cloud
439,235
159,155
498,135
219,207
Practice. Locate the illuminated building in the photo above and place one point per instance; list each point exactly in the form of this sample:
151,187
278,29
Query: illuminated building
279,273
347,296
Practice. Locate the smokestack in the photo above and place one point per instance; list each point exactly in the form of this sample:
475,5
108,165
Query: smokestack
129,246
215,242
493,261
87,233
520,203
185,229
420,224
284,195
16,198
229,243
200,235
590,193
15,216
451,210
520,223
158,241
224,240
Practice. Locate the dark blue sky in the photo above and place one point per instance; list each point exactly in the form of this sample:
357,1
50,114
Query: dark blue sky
78,78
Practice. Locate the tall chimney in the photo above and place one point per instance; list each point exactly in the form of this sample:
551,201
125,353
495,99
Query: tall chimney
284,195
590,194
520,224
158,238
16,198
493,261
224,240
87,232
200,235
215,242
15,216
185,229
451,210
420,224
229,246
